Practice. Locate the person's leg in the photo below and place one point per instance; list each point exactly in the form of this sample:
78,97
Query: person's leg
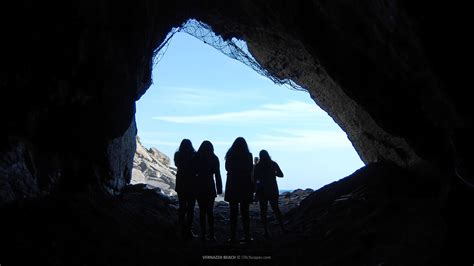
202,216
234,211
181,213
263,215
244,209
191,202
210,218
277,212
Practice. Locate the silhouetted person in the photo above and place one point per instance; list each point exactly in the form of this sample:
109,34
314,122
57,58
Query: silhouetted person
207,166
265,174
256,185
239,187
185,175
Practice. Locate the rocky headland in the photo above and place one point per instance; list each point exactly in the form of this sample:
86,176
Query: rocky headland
153,168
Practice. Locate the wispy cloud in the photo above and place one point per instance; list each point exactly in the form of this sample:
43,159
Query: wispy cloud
267,113
302,140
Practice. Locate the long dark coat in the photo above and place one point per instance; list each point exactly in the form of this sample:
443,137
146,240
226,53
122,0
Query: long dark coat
265,174
239,187
206,168
185,175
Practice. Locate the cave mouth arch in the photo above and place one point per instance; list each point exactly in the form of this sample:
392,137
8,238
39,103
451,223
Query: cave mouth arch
95,61
273,117
278,56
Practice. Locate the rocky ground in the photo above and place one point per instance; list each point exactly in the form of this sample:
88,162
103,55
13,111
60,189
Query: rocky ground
368,218
380,215
259,251
287,202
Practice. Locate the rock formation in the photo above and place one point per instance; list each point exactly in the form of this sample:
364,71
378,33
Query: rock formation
152,167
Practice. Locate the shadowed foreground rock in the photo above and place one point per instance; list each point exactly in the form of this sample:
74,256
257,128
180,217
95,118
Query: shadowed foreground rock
90,229
358,220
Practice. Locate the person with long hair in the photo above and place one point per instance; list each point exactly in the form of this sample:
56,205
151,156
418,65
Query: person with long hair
185,175
239,187
207,167
265,173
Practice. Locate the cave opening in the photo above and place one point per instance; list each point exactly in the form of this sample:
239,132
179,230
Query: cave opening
378,68
199,93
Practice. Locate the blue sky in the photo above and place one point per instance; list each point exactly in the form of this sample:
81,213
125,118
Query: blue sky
200,94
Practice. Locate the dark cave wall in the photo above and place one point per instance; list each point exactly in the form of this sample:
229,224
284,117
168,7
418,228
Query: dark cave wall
377,67
364,63
71,72
70,75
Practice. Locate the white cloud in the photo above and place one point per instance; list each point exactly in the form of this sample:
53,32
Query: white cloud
293,110
302,140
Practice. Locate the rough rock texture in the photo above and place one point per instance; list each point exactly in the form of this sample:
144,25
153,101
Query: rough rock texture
120,153
152,167
369,139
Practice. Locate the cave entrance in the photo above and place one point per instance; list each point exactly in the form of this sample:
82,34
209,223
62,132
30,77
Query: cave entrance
200,94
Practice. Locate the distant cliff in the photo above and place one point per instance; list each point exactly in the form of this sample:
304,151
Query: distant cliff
152,167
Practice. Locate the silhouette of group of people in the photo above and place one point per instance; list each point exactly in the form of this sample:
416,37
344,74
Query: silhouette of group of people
198,179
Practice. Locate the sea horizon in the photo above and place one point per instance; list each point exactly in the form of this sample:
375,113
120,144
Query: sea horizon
281,191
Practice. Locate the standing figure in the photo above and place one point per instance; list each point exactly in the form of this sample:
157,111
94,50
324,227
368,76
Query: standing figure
207,167
239,187
256,184
265,174
185,175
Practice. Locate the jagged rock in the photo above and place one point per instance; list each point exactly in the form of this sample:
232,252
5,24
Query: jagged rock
164,159
291,199
151,167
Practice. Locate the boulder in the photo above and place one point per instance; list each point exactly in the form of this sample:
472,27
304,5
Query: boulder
151,167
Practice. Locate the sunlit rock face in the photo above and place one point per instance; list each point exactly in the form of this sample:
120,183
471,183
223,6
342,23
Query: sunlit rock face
152,167
71,74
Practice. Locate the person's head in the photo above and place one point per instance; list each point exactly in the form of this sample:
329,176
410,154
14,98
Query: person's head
206,148
239,147
255,160
264,156
186,146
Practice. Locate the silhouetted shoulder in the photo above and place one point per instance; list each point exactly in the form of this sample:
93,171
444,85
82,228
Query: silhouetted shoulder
277,169
176,159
